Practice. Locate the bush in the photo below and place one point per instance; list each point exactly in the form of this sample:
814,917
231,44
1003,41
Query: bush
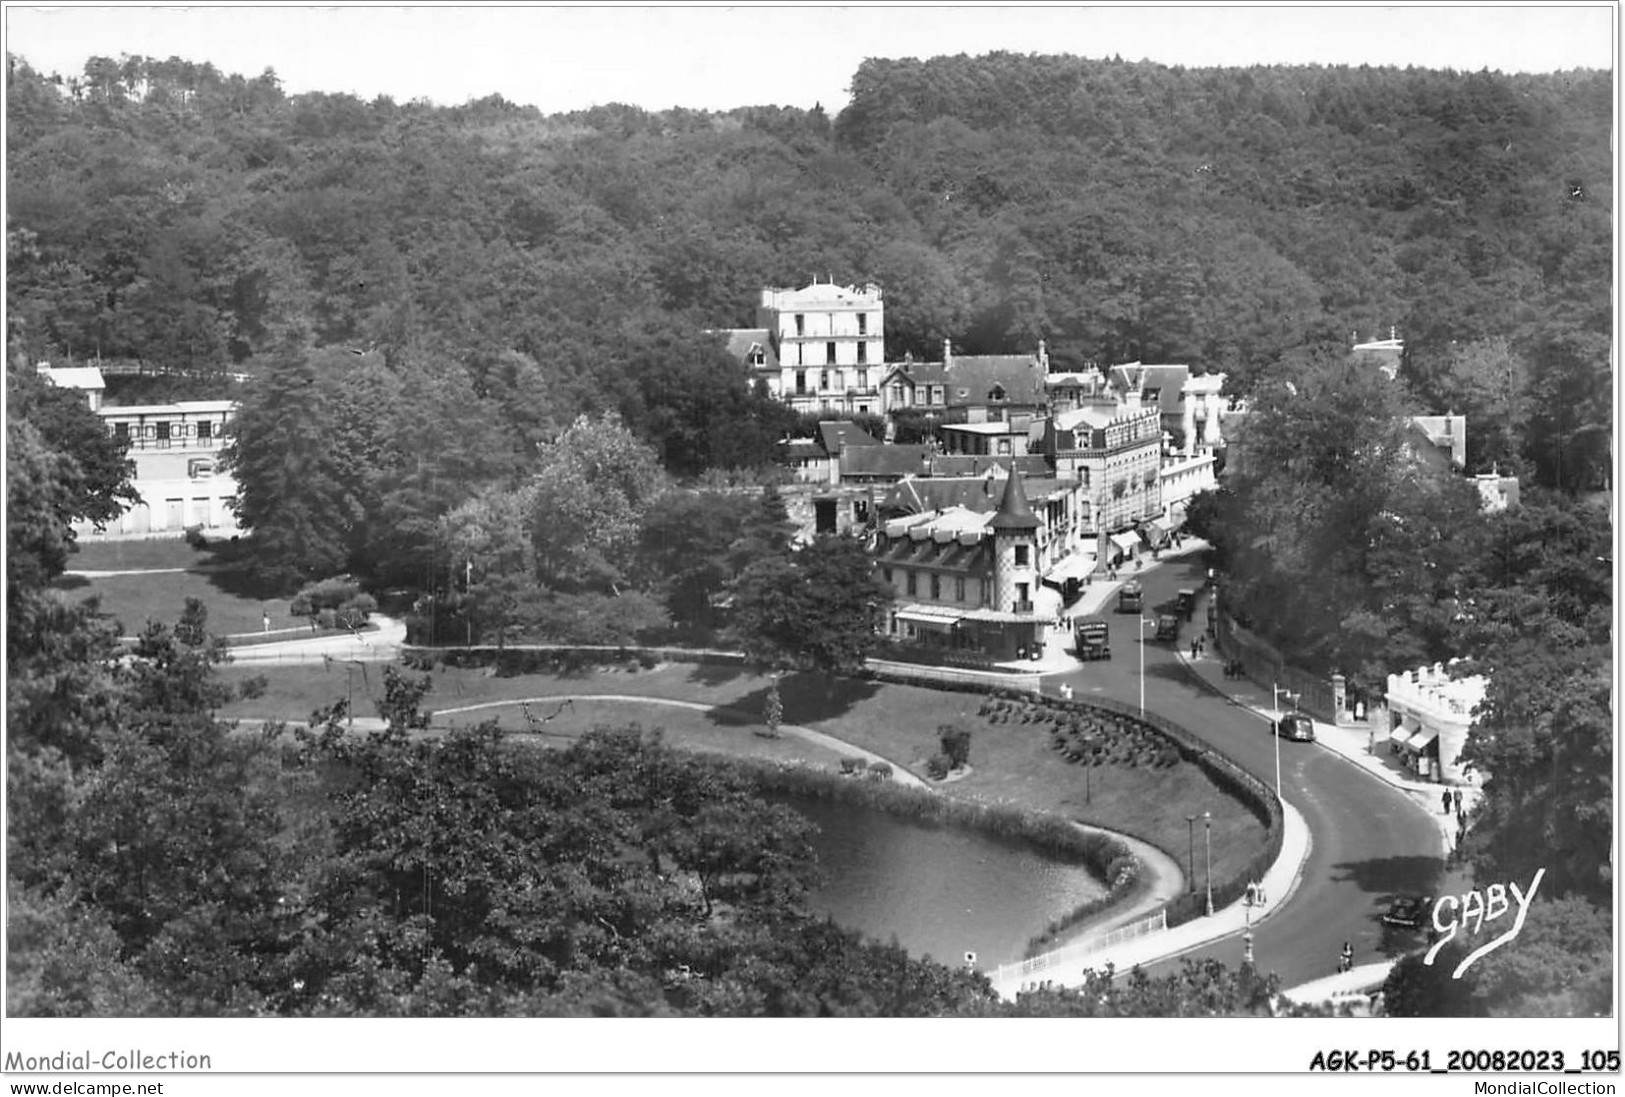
851,765
880,770
955,742
937,766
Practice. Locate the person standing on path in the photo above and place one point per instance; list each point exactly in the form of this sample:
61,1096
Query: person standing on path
1447,801
1456,793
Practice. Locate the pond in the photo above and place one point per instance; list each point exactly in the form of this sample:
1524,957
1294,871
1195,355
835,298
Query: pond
941,891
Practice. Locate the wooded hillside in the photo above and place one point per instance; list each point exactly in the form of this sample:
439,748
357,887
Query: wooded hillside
166,212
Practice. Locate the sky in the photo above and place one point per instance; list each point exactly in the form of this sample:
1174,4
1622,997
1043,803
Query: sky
559,58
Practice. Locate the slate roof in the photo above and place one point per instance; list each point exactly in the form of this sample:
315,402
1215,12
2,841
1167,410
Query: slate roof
741,340
1014,513
951,556
1029,465
920,495
1019,374
969,378
1096,417
893,461
803,449
834,434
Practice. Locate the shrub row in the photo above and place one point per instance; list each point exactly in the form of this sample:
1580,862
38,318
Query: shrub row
511,662
1122,893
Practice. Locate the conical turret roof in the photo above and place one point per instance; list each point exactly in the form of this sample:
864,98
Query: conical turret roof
1014,513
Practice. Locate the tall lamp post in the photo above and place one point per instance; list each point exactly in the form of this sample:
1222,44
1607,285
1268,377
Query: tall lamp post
1207,822
1143,622
1251,899
1190,854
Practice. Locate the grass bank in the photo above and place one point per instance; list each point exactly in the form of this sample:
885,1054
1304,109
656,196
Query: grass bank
1014,765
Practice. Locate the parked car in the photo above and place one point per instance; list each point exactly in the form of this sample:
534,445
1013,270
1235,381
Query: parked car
1297,727
1167,626
1409,912
1187,604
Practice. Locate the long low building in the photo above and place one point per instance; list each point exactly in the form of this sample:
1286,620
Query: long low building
1429,716
176,451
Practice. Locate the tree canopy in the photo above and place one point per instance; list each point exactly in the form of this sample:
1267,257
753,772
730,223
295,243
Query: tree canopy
192,220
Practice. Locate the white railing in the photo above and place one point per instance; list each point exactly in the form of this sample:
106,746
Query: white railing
992,678
1069,955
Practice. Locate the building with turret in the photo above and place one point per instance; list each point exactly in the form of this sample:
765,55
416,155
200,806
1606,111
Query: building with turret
966,572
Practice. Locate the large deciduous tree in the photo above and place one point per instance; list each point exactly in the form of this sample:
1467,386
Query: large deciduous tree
594,483
1347,543
819,607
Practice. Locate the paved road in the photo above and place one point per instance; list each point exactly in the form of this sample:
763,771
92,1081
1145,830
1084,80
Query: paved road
379,645
1370,841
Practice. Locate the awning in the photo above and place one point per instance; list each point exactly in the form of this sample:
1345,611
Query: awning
1076,566
929,615
1400,734
1162,525
1128,542
1421,739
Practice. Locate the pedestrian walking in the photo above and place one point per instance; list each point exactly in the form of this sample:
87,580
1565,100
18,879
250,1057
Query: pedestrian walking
1456,793
1193,649
1345,959
1447,801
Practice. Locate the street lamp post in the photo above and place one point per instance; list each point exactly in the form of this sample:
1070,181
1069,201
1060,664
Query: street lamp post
1190,854
1143,622
1275,731
1247,937
1207,822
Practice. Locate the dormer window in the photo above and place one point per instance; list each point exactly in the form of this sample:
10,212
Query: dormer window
996,393
758,356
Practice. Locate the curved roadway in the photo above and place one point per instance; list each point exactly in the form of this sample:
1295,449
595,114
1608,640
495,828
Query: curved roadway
1370,842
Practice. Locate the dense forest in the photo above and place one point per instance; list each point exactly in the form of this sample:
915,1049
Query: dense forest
164,212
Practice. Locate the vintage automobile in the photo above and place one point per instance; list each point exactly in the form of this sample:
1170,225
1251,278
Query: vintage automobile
1131,598
1296,726
1167,626
1409,912
1187,604
1094,639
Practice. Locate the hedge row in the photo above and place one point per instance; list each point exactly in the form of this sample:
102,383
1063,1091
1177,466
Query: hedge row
510,662
1049,834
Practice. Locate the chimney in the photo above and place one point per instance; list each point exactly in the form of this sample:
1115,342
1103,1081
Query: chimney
947,353
1043,357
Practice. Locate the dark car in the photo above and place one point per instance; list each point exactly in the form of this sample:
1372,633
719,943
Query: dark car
1408,912
1296,726
1167,626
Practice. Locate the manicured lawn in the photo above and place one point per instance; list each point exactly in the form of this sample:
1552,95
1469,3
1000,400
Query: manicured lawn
135,599
1011,763
170,552
716,732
